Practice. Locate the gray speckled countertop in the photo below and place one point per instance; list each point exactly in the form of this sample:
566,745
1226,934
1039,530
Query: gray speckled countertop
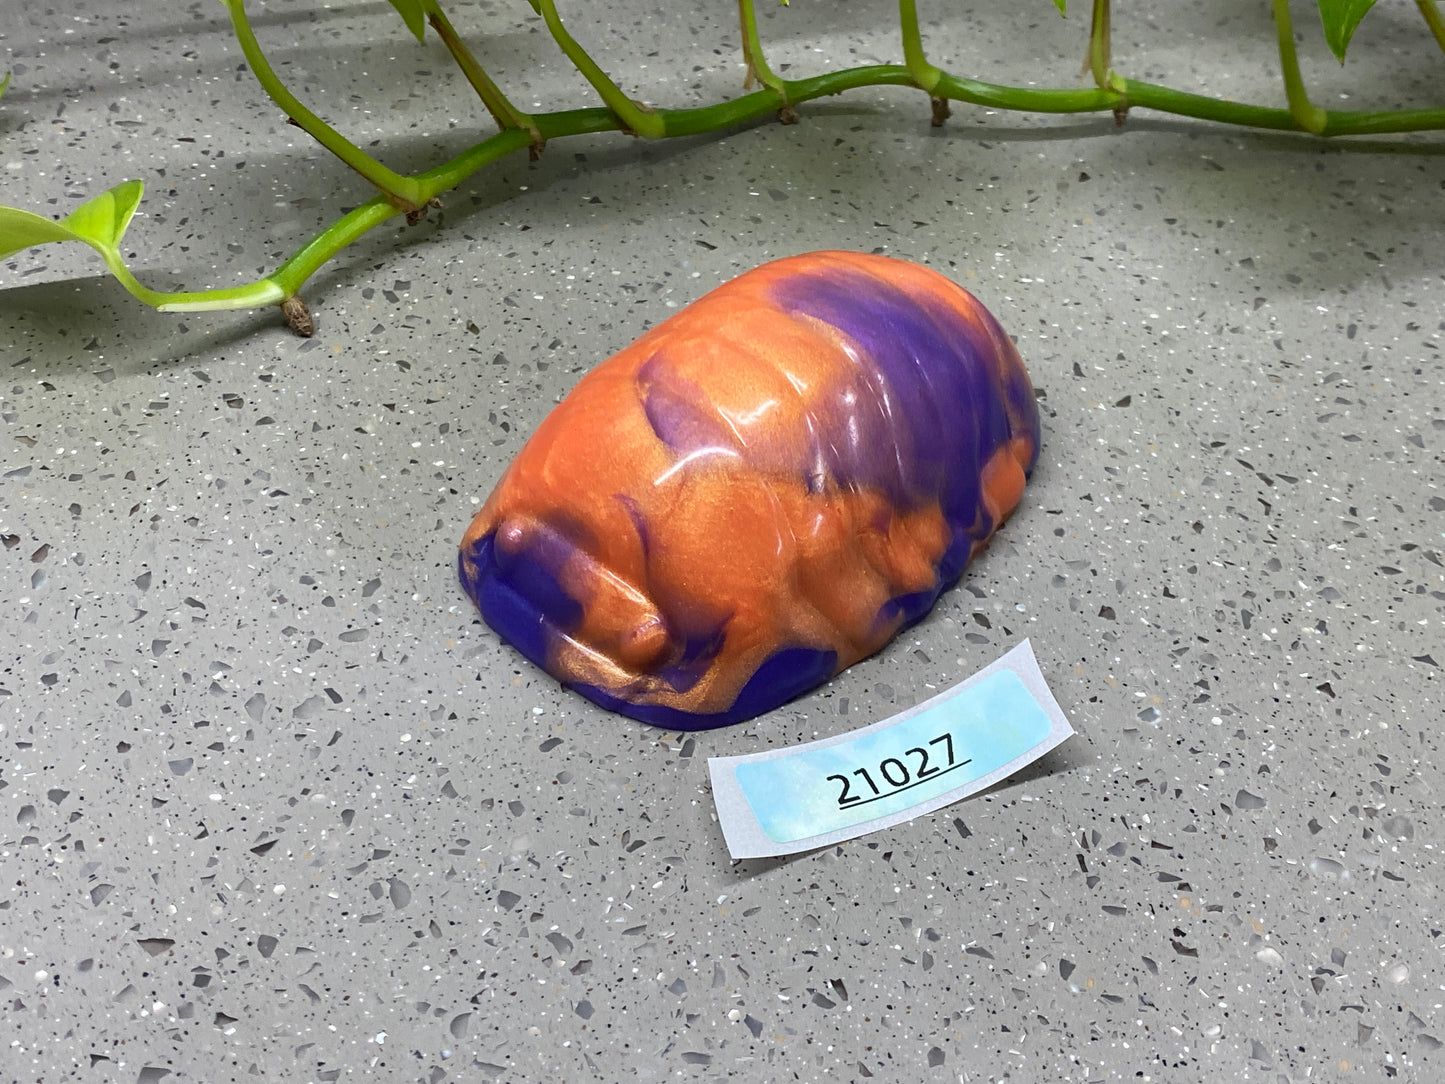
274,804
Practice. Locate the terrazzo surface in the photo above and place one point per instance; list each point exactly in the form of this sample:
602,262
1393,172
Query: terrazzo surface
274,804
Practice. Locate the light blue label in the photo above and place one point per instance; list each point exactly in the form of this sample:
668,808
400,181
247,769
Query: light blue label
885,772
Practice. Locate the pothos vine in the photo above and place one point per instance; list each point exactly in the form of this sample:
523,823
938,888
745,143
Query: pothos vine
101,222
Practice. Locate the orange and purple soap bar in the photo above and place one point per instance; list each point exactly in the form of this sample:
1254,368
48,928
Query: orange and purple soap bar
758,492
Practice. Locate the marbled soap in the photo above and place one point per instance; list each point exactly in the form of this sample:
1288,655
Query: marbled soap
758,492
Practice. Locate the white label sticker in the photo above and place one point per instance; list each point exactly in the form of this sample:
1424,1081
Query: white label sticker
958,743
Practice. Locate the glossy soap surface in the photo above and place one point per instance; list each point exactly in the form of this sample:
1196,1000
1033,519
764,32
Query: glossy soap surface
759,492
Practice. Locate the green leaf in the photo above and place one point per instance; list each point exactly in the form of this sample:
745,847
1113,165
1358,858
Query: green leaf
1060,5
99,222
413,13
1340,18
4,83
21,229
102,221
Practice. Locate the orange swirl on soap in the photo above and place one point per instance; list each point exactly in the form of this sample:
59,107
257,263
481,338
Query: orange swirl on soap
759,492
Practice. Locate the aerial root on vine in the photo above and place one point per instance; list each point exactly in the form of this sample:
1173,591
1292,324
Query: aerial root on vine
941,110
298,317
416,214
787,115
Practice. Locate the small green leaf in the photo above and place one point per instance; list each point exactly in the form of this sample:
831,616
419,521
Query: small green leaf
1340,18
413,13
21,229
4,84
103,220
1060,5
99,222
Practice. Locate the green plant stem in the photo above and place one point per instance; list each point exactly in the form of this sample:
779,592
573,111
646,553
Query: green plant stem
1433,20
632,117
925,75
288,279
401,190
762,103
753,54
129,281
253,295
1341,122
1100,44
1037,100
1310,116
1100,41
502,110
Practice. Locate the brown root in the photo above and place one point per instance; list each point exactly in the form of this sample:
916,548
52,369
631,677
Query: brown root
298,317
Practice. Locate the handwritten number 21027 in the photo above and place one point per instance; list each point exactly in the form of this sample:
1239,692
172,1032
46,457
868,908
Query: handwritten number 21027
895,773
